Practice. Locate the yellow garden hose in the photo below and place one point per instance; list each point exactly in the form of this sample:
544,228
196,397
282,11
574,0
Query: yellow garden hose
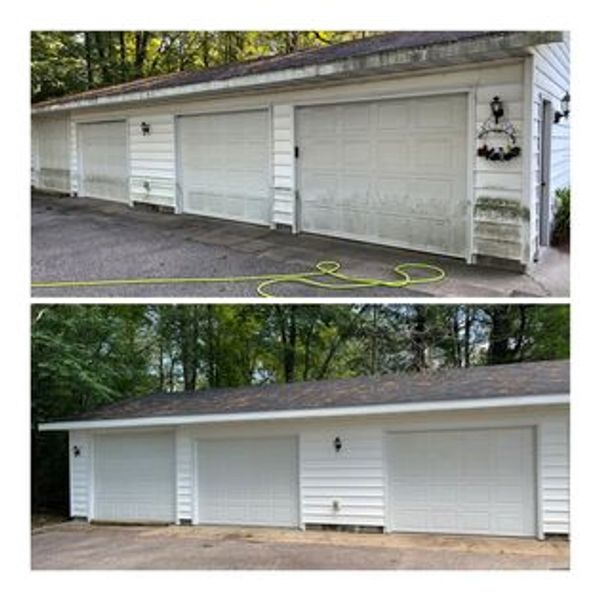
325,268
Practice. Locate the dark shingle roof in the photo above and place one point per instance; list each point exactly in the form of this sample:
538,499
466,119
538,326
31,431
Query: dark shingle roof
519,379
398,40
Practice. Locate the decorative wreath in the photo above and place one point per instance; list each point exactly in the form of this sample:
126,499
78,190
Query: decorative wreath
501,153
507,129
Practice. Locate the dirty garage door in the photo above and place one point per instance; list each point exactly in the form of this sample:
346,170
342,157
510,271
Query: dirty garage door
390,172
224,165
103,156
134,477
248,481
464,481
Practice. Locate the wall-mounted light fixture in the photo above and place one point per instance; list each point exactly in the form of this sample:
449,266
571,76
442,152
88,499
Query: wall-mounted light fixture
76,450
565,108
497,108
145,127
337,444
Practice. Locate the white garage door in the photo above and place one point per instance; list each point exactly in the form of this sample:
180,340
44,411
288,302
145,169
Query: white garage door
103,160
224,165
462,481
390,172
134,477
249,482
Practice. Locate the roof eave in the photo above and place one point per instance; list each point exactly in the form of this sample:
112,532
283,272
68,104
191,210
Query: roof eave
348,411
478,49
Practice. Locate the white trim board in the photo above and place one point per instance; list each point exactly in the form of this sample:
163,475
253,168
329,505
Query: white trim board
378,409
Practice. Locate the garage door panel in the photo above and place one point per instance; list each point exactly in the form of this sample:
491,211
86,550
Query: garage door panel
134,477
224,165
104,166
388,150
462,481
251,481
392,116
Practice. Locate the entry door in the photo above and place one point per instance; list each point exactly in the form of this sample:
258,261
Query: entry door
391,172
471,482
134,477
248,482
224,165
103,160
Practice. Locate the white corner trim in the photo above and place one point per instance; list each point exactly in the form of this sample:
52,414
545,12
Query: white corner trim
346,411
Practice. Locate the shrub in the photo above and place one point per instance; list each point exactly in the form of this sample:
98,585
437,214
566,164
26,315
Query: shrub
562,217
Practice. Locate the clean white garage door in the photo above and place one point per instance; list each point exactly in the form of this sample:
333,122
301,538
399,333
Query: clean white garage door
134,477
462,481
248,482
103,160
390,172
224,165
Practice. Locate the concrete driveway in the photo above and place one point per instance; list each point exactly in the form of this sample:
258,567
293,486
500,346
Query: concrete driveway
85,239
74,545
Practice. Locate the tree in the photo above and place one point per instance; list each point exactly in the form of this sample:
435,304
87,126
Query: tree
67,62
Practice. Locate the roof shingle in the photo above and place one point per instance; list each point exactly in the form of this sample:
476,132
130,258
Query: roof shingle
518,379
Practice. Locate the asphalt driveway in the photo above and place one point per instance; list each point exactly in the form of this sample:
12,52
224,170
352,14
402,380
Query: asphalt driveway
74,545
84,239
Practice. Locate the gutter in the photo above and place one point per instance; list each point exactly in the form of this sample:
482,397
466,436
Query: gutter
466,51
348,411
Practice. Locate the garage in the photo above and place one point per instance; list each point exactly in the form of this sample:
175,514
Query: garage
104,161
248,481
224,165
391,172
134,477
464,481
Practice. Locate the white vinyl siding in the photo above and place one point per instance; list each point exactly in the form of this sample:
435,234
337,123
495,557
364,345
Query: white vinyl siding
284,169
104,171
554,448
53,153
80,469
479,481
184,450
35,154
248,481
353,477
152,159
223,164
356,476
551,80
134,477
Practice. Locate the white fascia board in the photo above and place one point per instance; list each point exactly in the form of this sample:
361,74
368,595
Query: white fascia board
474,50
347,411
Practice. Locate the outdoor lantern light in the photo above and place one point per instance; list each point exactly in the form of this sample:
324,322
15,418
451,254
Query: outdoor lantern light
337,444
145,127
497,108
76,450
565,108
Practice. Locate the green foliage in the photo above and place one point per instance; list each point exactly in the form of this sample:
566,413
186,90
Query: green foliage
68,62
561,232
